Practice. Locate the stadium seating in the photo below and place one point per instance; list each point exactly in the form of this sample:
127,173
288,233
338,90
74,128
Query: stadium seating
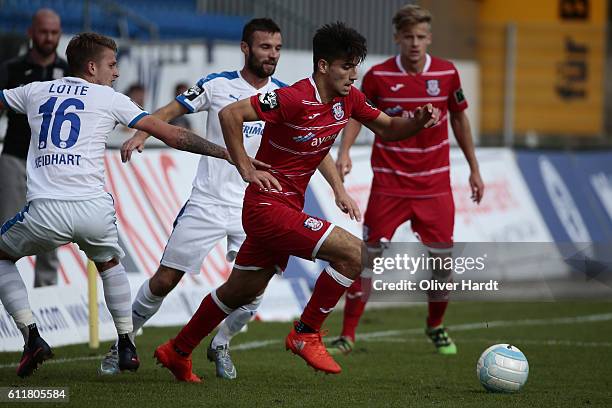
176,19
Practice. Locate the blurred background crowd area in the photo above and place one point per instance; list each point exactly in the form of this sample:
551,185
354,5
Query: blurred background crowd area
533,71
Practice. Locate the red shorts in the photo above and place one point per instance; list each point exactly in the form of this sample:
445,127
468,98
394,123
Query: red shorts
275,231
432,218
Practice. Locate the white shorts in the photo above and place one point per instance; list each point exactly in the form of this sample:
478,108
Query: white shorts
197,229
46,224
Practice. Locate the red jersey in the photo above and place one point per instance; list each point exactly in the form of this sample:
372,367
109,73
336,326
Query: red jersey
419,165
299,132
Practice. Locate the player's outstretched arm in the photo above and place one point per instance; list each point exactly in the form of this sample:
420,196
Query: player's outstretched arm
179,138
232,117
349,134
343,200
463,133
166,113
392,129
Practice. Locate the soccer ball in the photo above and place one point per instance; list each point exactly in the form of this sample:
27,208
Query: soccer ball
502,368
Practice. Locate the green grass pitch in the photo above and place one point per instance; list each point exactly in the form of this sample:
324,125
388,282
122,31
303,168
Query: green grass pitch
568,346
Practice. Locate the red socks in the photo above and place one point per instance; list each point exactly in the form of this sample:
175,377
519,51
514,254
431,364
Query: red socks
328,290
436,310
356,298
206,318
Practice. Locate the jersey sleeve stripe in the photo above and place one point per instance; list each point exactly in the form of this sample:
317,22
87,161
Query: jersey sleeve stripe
136,119
224,74
278,83
4,101
183,101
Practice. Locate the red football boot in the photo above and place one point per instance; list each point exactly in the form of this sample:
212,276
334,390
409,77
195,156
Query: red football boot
180,366
310,347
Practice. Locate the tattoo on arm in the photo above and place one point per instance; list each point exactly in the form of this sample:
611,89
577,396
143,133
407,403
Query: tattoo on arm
191,142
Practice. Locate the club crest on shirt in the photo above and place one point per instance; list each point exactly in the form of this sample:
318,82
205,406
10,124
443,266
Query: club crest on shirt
338,111
433,87
313,224
268,101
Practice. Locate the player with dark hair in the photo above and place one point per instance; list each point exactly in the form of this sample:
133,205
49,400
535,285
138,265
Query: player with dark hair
70,119
213,211
302,122
412,177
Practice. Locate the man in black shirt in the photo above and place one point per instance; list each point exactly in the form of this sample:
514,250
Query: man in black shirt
40,63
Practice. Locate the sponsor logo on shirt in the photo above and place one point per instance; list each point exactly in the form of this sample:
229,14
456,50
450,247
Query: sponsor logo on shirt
252,129
397,87
314,115
313,224
268,101
394,111
433,87
304,138
319,141
338,111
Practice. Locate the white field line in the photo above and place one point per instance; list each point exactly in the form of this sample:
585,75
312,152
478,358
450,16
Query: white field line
550,342
458,327
394,333
60,360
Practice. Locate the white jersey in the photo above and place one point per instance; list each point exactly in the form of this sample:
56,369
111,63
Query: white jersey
217,181
70,119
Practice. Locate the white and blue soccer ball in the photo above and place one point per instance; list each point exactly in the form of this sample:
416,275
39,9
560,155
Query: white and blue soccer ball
502,368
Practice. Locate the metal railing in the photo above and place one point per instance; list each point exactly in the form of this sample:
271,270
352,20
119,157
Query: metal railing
299,19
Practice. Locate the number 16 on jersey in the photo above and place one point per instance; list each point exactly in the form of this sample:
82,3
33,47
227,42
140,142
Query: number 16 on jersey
58,118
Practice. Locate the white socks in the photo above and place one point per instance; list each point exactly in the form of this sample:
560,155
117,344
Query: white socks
145,305
118,297
14,297
235,322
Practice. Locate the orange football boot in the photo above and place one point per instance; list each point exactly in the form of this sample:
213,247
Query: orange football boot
310,347
180,366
